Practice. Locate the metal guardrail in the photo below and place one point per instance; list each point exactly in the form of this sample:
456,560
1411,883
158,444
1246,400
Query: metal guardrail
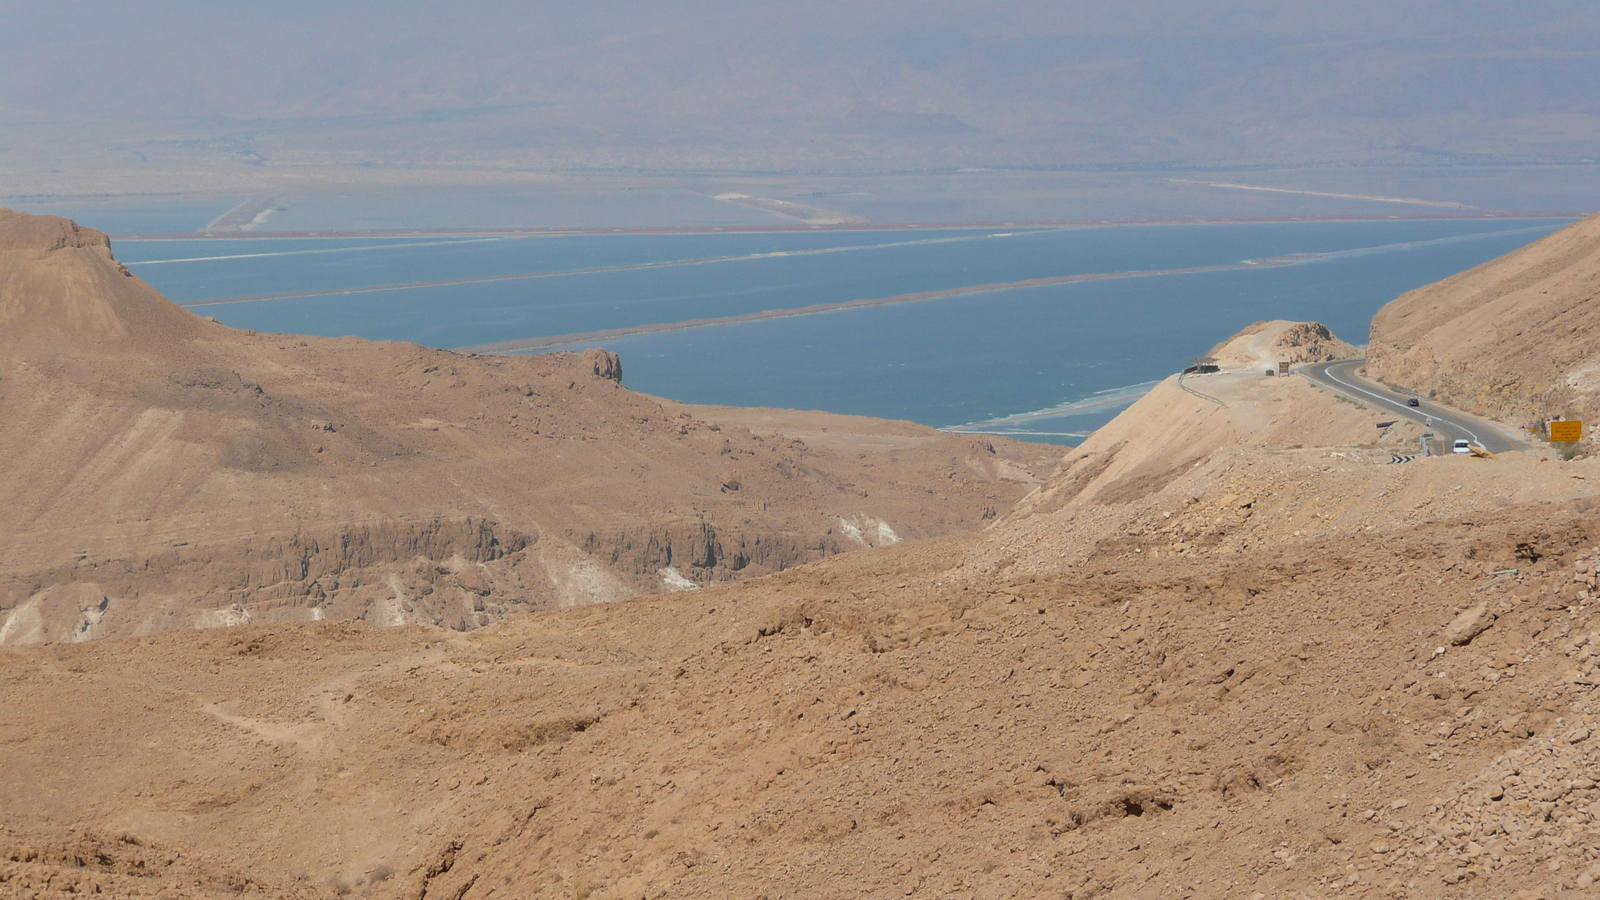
1199,394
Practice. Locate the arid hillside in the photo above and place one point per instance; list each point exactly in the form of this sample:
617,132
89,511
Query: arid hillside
163,471
1225,651
1215,465
1517,338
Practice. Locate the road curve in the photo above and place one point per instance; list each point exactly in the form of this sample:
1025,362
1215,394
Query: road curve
1341,377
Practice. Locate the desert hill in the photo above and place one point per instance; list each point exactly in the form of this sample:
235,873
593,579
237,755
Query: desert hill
1229,462
1517,338
1228,649
163,471
62,293
1263,345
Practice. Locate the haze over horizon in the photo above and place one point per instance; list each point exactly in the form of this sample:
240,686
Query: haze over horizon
187,95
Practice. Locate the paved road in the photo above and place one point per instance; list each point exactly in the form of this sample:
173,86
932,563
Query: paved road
1341,377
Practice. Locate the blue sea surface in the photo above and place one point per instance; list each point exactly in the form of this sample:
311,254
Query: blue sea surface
944,362
197,270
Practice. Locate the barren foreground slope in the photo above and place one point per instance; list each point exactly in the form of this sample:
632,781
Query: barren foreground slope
1517,338
1224,652
162,471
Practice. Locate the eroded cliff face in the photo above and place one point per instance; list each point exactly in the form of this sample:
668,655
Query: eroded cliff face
701,553
461,573
159,471
1516,339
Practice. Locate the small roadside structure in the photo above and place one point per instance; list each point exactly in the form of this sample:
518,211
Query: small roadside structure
1203,365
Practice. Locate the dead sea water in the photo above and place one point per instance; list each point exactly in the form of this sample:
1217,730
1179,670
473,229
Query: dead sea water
993,352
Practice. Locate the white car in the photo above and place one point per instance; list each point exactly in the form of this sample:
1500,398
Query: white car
1462,446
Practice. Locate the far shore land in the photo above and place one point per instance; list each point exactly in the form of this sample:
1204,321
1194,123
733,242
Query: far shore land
783,228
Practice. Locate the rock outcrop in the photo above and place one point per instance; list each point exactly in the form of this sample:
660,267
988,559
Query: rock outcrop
605,364
1265,344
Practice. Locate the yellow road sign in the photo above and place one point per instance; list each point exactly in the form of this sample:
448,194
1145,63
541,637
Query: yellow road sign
1561,432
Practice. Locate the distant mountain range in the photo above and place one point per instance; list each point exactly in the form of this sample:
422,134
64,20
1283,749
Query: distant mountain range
798,87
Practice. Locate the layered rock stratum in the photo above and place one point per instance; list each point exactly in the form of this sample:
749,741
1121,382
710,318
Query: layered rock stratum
1230,648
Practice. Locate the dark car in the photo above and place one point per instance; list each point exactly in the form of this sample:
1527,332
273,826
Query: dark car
1413,402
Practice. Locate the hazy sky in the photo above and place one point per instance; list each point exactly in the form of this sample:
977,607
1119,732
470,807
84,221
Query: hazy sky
791,86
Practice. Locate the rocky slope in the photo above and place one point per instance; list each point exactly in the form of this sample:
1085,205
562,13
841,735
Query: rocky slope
1229,648
1225,651
1517,339
163,471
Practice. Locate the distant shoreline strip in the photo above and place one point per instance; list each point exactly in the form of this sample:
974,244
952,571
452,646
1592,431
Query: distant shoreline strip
551,342
1372,198
536,344
562,273
553,231
777,254
1071,434
322,250
532,345
448,282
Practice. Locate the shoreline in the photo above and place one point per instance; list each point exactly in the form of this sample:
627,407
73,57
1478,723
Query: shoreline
1265,262
553,342
557,231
